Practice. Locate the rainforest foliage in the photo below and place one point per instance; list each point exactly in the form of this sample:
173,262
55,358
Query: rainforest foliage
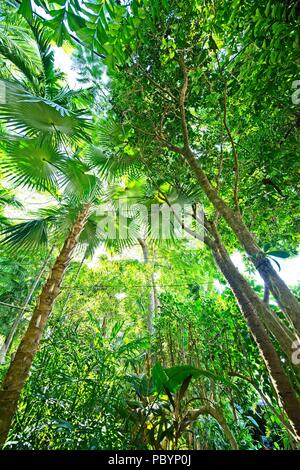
149,198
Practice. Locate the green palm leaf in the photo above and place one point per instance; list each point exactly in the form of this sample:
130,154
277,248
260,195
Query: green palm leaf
78,182
17,46
26,236
90,236
32,163
46,55
32,115
114,166
8,198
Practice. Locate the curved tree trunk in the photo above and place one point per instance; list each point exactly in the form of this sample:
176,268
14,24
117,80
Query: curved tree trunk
257,316
279,289
281,382
218,415
286,300
278,329
20,366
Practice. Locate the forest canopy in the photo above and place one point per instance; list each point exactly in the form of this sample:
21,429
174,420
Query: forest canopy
149,225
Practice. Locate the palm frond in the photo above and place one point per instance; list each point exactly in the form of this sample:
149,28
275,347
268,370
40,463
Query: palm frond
17,46
114,166
26,236
90,236
59,218
32,163
78,181
32,115
110,134
46,54
73,98
7,198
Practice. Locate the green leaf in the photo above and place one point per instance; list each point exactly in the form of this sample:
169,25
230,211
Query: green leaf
26,236
26,9
160,378
277,264
75,22
172,378
279,254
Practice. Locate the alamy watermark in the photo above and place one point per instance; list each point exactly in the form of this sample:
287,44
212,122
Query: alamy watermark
124,221
296,93
2,93
296,353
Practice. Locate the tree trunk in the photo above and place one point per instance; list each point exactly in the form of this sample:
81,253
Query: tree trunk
20,366
256,313
278,329
9,339
281,383
218,415
286,300
153,300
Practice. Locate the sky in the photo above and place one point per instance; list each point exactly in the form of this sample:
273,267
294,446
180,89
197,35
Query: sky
290,268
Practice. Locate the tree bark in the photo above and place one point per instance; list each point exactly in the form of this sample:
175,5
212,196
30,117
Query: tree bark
281,382
217,414
286,300
153,299
277,328
259,317
20,366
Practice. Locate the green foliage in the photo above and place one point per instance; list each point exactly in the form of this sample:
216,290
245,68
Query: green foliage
146,347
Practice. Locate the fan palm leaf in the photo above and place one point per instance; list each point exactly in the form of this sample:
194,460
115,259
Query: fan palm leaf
32,163
32,115
7,198
113,167
90,236
27,236
78,181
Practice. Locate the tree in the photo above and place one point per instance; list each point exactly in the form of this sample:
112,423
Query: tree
259,317
189,104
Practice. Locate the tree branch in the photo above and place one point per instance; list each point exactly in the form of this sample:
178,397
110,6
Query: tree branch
236,162
182,99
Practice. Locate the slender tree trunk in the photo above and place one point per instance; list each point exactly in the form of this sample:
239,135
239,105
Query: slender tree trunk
9,339
20,366
281,382
218,415
278,329
286,300
182,345
104,327
266,294
153,299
